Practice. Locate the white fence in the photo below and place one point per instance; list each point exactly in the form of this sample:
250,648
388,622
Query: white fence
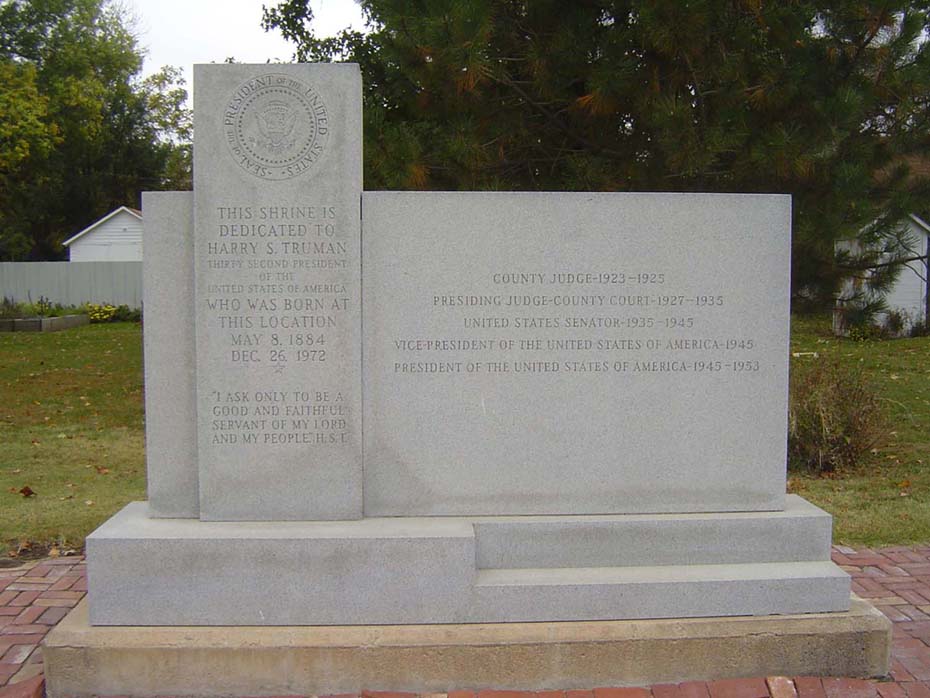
72,283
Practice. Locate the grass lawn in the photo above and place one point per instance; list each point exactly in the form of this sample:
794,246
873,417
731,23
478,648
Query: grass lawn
71,431
886,499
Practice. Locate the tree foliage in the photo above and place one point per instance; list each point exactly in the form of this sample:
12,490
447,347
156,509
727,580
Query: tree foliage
824,101
76,135
172,118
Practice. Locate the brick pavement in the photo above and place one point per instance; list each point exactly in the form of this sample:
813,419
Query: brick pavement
36,595
33,598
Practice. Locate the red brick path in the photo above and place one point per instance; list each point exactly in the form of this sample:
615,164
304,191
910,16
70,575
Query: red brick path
35,596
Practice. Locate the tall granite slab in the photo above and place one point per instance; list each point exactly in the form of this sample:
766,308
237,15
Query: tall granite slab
168,337
575,353
277,182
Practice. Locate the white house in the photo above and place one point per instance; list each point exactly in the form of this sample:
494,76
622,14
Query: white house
910,294
117,237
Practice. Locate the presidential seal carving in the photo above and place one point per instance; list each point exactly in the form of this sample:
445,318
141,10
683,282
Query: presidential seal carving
276,127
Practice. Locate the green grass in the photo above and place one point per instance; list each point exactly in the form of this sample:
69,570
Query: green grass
71,430
886,498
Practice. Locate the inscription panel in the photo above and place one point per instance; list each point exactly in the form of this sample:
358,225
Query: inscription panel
575,353
277,187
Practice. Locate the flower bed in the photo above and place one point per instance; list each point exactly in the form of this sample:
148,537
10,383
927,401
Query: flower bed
43,324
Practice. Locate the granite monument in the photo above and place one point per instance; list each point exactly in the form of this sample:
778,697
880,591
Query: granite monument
399,408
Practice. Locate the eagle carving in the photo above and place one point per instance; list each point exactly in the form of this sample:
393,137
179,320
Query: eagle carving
276,123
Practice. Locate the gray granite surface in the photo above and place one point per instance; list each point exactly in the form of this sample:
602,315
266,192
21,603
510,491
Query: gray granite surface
574,353
277,184
572,406
168,340
145,571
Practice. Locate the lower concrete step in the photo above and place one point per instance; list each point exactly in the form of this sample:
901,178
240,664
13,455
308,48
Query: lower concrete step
802,532
669,591
82,661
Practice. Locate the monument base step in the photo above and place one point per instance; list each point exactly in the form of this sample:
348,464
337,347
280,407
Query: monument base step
145,571
671,591
83,660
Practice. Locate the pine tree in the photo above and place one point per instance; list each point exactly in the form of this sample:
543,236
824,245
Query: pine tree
823,101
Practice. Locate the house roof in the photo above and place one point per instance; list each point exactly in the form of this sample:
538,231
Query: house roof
921,222
131,211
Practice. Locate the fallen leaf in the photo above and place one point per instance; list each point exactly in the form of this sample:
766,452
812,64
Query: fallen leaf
101,470
89,502
27,491
54,552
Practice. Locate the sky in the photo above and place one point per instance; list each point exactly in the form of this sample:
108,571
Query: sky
184,32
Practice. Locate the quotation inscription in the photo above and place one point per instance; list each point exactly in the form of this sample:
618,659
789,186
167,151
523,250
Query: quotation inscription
277,298
266,417
577,322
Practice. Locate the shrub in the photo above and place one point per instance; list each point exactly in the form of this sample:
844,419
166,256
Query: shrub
920,329
895,322
112,313
43,306
126,314
834,417
866,333
9,308
873,321
101,313
860,314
